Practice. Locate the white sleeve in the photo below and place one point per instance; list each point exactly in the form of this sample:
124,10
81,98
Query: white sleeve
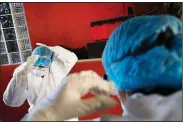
153,108
16,92
69,58
65,59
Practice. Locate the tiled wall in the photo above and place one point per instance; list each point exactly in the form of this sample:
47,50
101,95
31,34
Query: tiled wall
15,45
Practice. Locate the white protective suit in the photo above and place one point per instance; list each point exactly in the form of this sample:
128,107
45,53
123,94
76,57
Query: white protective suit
66,103
139,107
33,87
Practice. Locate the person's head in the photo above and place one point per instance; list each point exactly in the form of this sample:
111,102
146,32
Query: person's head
44,60
145,53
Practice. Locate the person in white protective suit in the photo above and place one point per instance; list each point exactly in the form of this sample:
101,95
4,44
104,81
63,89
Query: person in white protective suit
143,59
39,76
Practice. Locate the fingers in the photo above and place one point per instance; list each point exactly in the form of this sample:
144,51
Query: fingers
100,91
89,80
32,59
93,82
29,63
91,105
40,44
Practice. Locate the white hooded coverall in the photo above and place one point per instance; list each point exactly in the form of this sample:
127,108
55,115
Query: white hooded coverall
34,88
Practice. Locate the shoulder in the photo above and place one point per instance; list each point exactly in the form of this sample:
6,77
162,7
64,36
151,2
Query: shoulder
20,67
154,105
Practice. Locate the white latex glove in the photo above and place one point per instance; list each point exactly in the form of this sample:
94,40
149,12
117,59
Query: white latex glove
28,65
66,102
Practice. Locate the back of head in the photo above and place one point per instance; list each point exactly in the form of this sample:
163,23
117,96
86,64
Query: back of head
145,53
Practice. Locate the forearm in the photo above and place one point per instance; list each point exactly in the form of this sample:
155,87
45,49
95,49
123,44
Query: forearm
64,55
16,91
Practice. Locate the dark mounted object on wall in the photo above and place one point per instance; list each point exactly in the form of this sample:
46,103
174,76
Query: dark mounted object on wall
130,11
81,53
95,49
110,21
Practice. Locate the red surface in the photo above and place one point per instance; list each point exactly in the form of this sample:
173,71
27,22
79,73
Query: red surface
67,24
104,31
15,114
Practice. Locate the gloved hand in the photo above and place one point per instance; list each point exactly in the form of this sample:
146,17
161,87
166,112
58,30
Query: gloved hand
27,66
66,102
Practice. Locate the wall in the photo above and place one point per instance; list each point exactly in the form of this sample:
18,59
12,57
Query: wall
142,8
66,24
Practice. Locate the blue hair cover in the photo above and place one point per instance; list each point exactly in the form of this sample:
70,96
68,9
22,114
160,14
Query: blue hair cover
145,52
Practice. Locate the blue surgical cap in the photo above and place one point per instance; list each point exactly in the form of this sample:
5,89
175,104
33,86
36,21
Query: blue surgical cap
45,56
145,52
